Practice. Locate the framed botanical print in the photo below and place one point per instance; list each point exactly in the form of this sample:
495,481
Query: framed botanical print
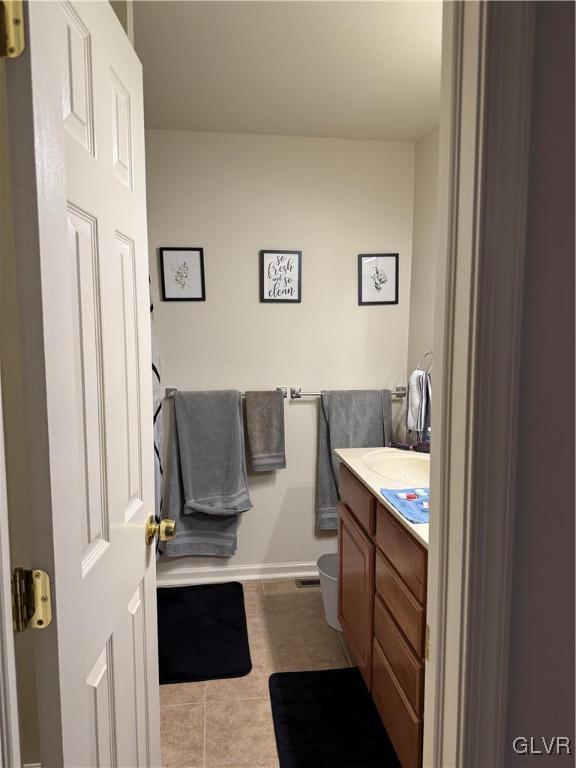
182,272
378,278
281,277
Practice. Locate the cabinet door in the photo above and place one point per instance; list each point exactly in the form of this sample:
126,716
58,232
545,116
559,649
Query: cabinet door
356,591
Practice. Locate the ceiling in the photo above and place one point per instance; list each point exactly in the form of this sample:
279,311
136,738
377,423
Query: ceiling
349,70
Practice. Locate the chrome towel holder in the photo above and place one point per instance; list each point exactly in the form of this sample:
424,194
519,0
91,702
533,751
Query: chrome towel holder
429,353
297,394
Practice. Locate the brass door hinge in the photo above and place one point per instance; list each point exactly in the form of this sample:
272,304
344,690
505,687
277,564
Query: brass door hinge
11,28
31,599
427,643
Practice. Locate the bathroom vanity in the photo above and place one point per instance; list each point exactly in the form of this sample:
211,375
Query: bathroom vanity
382,588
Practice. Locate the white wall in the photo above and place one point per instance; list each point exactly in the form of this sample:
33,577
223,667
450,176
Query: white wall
424,249
234,195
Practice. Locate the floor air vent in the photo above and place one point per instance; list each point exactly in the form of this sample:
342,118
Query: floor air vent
306,583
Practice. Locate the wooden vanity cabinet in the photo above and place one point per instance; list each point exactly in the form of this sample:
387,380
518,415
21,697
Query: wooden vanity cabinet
382,610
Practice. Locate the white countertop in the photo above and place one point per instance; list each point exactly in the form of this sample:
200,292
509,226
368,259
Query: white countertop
354,458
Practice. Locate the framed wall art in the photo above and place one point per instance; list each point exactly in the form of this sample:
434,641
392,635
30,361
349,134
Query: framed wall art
377,278
281,277
182,273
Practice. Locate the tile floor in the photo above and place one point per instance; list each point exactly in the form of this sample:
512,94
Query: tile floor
228,723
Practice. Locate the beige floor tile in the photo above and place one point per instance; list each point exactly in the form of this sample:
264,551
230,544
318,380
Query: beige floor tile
254,598
302,601
310,659
253,586
182,736
296,630
240,734
259,630
251,686
295,627
284,586
275,764
182,693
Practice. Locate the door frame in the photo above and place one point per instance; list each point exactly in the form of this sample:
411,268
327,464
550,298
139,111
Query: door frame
484,157
9,728
476,329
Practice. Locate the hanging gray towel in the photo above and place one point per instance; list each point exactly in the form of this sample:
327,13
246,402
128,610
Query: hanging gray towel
265,428
206,486
357,418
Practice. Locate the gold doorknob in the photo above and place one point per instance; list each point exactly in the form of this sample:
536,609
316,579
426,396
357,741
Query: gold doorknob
165,529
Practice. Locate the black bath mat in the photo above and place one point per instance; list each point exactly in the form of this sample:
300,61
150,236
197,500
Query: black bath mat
328,720
202,633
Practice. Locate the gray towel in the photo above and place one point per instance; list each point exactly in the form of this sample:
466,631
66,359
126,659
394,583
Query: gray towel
357,418
206,486
265,428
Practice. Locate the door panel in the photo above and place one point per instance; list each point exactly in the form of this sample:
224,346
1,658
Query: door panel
121,131
102,722
129,644
131,373
77,80
79,187
89,433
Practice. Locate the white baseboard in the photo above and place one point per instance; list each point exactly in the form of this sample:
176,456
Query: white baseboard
169,575
32,765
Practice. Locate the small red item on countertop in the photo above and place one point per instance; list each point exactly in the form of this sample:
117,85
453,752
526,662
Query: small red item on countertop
411,496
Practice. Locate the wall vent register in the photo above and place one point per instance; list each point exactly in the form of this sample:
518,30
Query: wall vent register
307,583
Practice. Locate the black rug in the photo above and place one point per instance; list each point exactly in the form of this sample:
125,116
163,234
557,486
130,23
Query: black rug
202,633
328,720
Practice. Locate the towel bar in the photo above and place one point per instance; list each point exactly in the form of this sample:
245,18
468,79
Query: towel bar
171,390
296,393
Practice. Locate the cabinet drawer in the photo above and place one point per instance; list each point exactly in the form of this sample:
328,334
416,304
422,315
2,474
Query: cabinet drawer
406,610
358,499
405,554
407,667
403,726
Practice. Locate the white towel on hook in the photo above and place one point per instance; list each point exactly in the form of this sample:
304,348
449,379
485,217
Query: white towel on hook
419,389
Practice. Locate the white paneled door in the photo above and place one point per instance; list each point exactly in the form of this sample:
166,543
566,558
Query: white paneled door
77,134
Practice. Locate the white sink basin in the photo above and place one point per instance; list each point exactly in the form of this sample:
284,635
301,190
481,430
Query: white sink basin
404,469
